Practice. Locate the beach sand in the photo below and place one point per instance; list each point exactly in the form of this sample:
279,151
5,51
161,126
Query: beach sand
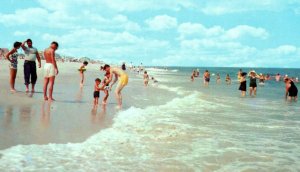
27,119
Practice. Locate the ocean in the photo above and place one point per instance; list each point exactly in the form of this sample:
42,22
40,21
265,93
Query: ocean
184,126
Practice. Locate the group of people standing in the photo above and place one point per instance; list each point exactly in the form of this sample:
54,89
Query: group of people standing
50,70
30,72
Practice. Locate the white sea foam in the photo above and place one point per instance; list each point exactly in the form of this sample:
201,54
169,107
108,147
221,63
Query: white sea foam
186,134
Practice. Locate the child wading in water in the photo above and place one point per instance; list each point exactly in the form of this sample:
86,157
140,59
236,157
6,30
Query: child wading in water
146,79
243,84
228,79
97,91
106,88
81,70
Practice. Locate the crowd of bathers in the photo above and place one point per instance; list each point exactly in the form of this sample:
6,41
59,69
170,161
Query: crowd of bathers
255,79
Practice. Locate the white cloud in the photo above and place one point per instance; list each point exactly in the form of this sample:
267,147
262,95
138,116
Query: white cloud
187,29
162,22
20,33
197,30
243,30
219,7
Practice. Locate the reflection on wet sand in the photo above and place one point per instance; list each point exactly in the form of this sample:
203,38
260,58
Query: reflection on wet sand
79,95
45,117
98,117
8,114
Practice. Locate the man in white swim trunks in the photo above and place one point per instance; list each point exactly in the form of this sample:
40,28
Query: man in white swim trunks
50,70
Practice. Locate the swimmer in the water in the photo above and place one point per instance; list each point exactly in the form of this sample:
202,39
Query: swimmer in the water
146,79
81,70
120,75
206,77
193,75
277,77
291,91
243,84
228,79
218,79
253,85
261,79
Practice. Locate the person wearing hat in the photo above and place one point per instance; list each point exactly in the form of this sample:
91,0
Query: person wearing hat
253,85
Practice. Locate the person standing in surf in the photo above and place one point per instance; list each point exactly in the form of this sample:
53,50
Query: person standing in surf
253,85
291,91
12,57
120,75
243,84
50,70
206,77
31,54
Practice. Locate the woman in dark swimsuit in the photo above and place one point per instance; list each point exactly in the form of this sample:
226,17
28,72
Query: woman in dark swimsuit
243,84
253,84
291,90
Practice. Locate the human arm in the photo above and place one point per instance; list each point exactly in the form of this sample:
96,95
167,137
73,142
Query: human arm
23,46
287,87
54,61
38,58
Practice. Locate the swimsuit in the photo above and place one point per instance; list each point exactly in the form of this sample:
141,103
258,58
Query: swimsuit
49,70
253,82
207,79
293,91
96,94
243,86
123,79
14,58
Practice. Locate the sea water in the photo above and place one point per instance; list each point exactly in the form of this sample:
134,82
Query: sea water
200,129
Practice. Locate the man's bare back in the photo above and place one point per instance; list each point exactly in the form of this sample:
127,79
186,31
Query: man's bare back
49,55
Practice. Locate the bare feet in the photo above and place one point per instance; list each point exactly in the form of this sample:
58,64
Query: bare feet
45,98
32,91
27,90
118,107
51,99
12,90
104,103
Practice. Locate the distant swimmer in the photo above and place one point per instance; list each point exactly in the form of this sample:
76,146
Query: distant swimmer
291,91
81,70
193,75
218,78
146,79
12,57
123,81
239,74
261,79
206,77
154,80
253,82
50,70
228,79
277,77
243,84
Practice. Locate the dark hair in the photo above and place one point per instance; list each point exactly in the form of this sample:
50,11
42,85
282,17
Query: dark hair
97,79
55,43
29,40
17,44
85,63
244,74
145,72
105,66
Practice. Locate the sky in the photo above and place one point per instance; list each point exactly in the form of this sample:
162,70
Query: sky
211,33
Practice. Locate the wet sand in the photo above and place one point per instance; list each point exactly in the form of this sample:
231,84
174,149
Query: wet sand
26,119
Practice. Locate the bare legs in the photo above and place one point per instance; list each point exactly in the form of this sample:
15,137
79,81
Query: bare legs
50,81
105,97
243,93
13,74
119,95
82,79
253,90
